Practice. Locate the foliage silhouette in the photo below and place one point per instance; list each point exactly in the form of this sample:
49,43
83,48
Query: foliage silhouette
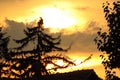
3,44
109,41
4,57
31,64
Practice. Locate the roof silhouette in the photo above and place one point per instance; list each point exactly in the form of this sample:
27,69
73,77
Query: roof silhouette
88,74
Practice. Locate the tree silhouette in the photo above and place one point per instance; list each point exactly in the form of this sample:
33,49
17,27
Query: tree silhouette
31,64
4,57
109,41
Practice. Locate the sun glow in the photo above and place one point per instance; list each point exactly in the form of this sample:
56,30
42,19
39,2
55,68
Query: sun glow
80,64
57,19
60,62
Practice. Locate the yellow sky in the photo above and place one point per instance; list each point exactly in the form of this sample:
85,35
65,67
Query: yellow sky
69,15
59,11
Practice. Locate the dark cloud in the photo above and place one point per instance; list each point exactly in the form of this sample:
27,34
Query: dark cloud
14,30
81,41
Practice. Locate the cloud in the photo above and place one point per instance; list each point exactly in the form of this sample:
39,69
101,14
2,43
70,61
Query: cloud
92,27
14,30
82,42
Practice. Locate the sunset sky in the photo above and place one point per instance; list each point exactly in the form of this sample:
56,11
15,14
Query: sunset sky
77,20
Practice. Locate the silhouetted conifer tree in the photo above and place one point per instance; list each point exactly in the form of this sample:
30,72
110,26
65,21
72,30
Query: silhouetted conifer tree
32,63
109,42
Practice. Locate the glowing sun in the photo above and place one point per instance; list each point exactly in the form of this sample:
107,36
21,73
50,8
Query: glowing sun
56,18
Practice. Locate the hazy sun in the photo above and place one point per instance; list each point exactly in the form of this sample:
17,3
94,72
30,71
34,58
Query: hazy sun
55,18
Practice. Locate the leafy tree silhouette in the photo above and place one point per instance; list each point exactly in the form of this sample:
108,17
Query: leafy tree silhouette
31,64
109,42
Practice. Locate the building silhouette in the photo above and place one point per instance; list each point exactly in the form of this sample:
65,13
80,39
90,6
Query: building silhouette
88,74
